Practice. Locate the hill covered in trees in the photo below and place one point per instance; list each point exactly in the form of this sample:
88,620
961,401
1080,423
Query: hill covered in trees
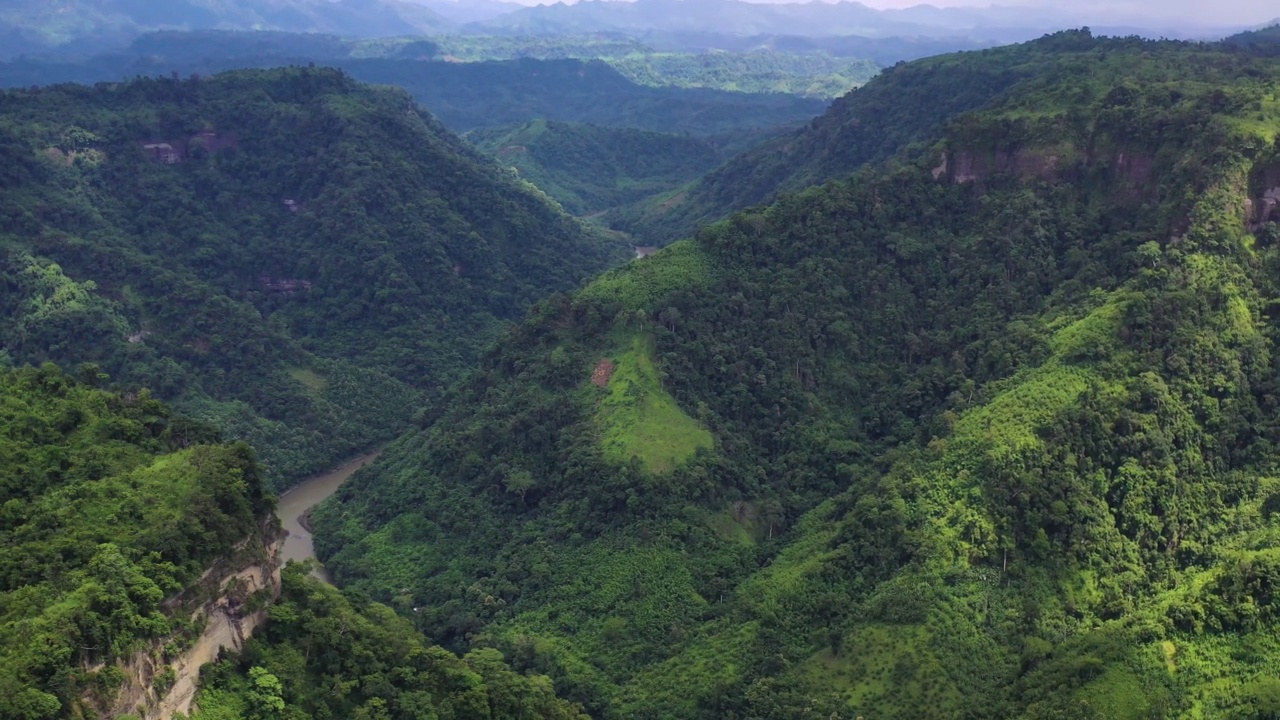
985,430
116,514
108,504
288,255
907,103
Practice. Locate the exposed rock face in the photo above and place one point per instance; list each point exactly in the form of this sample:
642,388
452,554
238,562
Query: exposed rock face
1264,205
942,167
1025,163
230,599
286,286
1130,171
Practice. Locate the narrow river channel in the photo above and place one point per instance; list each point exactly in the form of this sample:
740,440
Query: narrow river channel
302,497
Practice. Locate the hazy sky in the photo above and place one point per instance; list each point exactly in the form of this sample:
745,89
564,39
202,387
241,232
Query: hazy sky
1210,12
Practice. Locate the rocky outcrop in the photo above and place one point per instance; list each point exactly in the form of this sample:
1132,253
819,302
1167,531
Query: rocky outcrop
1263,205
226,605
1025,163
283,286
1130,172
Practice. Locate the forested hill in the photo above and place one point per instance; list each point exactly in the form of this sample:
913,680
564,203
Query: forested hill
108,504
289,255
907,103
120,522
985,430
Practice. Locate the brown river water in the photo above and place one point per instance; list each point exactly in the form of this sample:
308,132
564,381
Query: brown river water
304,496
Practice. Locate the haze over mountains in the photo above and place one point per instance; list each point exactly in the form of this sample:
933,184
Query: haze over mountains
733,17
33,26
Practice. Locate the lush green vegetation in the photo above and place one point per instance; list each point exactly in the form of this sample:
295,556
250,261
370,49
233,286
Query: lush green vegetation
108,504
589,168
639,419
907,103
989,437
324,655
319,257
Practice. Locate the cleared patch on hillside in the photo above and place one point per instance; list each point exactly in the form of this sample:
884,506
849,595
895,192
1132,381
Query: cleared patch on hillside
639,419
604,371
313,381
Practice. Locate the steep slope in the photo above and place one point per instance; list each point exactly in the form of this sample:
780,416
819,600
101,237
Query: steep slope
588,168
984,431
905,104
286,254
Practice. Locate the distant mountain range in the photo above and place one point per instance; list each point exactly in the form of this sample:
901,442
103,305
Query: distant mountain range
35,25
86,26
825,19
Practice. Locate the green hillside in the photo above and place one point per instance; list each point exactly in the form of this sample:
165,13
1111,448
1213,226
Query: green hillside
984,430
589,168
108,504
111,509
296,259
907,103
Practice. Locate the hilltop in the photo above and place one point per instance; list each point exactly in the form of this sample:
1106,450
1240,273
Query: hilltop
985,429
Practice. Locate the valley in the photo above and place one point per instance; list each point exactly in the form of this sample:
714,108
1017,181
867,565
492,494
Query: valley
430,360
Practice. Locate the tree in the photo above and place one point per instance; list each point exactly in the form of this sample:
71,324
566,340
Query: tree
520,481
266,701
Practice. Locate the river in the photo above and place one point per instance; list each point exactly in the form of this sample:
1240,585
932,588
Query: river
304,496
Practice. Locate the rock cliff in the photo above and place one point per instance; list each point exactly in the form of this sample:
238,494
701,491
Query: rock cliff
220,611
